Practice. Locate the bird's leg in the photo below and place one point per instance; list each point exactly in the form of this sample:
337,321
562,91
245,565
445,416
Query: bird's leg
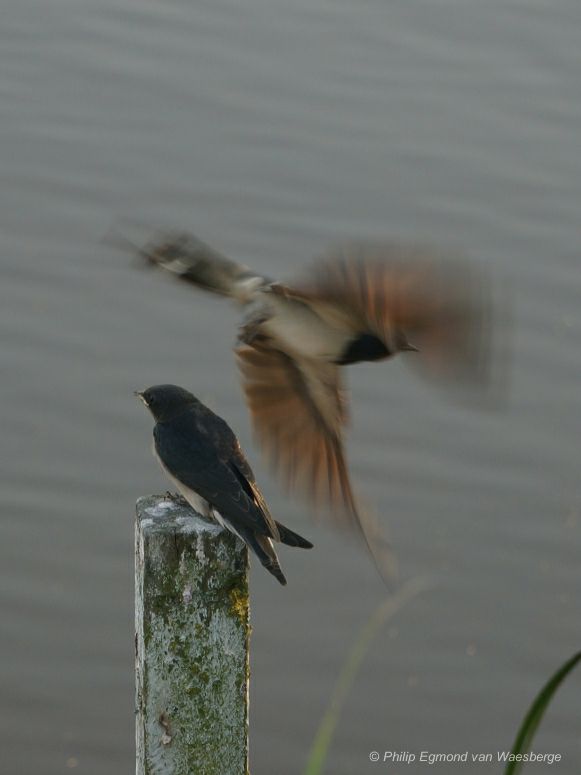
250,330
248,334
176,497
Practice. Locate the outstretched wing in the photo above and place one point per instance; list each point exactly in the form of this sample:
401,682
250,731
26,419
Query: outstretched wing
194,262
298,410
440,306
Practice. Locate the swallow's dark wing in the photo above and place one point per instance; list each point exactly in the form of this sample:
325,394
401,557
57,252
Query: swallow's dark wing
298,411
440,306
208,467
241,468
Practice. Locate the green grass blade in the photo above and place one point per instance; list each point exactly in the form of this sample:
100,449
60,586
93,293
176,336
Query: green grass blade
382,614
533,718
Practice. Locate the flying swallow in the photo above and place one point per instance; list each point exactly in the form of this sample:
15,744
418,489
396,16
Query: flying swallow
201,455
361,302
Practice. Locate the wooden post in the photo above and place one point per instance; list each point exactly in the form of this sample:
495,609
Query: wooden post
191,643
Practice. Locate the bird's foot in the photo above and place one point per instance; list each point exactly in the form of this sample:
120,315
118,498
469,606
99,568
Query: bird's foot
250,333
251,330
176,497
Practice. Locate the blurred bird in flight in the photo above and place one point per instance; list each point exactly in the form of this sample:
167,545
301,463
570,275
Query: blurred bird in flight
360,302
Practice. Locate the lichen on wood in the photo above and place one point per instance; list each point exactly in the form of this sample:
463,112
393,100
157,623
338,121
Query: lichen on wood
192,631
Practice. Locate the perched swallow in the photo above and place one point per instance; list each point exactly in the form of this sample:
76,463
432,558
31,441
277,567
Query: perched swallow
201,455
364,302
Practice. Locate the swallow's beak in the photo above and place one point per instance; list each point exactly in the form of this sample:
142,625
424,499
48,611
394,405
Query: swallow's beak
410,348
139,395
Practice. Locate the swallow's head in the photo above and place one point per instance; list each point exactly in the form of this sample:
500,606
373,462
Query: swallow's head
166,401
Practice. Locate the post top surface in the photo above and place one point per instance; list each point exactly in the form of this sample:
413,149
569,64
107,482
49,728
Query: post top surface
158,514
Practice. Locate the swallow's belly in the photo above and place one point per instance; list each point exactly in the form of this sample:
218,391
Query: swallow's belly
296,328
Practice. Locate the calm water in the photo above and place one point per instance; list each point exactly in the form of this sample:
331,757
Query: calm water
271,129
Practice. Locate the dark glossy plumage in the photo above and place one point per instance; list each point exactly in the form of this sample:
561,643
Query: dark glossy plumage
202,455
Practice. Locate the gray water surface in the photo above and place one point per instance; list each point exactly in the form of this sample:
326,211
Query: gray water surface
272,129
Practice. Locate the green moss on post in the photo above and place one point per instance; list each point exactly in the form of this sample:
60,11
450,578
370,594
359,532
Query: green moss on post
191,643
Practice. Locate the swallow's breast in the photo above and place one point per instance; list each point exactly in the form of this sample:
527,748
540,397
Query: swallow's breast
298,329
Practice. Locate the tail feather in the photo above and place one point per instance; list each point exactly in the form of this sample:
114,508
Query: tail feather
192,261
264,550
291,538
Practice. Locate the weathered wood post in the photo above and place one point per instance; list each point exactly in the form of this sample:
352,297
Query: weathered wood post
191,643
